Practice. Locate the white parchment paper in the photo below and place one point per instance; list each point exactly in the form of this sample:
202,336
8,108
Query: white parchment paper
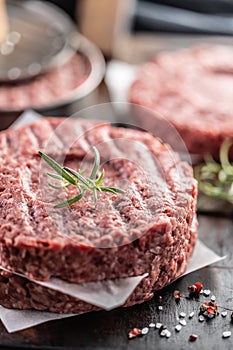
105,294
202,256
17,320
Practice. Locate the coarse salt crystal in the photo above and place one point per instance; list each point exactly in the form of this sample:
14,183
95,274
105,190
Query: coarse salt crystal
213,298
224,314
191,314
183,322
201,318
152,325
163,333
178,328
206,292
226,334
158,325
145,330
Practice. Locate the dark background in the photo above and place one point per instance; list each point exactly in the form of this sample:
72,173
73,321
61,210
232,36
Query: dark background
179,16
67,5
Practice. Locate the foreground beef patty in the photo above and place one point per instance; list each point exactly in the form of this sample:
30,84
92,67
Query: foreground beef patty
151,228
193,90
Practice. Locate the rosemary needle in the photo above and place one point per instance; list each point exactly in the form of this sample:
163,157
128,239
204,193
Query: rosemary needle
68,177
216,179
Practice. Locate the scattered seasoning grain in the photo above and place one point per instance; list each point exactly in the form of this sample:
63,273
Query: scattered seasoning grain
191,314
178,328
145,330
201,318
177,295
209,309
226,334
160,298
183,322
158,325
163,333
206,292
162,328
193,337
203,308
152,325
195,288
134,333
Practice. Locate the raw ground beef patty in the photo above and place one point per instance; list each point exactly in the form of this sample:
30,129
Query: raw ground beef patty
193,90
50,88
149,229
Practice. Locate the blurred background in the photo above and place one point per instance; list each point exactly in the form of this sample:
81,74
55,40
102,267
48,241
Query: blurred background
53,53
59,57
101,20
166,15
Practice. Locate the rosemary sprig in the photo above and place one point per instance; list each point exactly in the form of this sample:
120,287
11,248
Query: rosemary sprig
67,176
216,179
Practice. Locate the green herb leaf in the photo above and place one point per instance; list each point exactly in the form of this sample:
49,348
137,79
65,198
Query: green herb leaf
96,164
71,177
58,187
55,176
99,181
95,195
77,175
69,201
216,179
58,168
112,190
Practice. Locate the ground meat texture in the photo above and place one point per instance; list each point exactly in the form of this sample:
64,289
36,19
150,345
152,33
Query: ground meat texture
20,293
47,89
192,89
151,228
